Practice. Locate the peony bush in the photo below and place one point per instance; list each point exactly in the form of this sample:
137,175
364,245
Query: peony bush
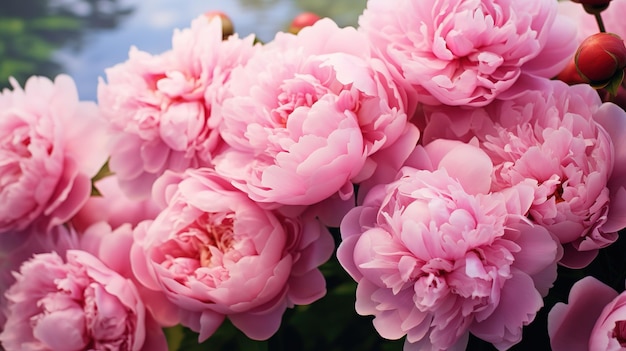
446,175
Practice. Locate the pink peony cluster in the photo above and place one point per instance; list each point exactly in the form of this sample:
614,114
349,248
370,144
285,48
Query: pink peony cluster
76,303
561,140
430,146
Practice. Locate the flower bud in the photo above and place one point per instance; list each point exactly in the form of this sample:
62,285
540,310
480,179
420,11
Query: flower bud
228,28
302,20
593,6
601,59
570,74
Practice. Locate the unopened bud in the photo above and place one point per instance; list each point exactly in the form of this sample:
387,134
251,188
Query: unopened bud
570,74
305,19
228,28
601,59
594,6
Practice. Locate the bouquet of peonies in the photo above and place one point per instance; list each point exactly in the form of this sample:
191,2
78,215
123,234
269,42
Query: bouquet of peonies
458,159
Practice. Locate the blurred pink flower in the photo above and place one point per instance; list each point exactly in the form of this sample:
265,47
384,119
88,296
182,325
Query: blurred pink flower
113,206
160,108
437,257
467,52
215,253
17,247
593,319
304,115
78,304
613,18
51,145
554,136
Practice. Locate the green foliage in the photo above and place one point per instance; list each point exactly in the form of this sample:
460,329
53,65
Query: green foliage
31,31
104,172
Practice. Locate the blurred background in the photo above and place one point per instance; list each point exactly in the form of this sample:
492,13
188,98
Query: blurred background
84,37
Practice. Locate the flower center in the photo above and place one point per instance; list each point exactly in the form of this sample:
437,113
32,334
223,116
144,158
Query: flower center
215,234
302,91
619,332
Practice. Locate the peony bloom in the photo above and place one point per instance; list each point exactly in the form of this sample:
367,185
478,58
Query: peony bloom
160,108
215,253
77,304
593,319
467,52
554,136
305,113
437,257
17,247
51,145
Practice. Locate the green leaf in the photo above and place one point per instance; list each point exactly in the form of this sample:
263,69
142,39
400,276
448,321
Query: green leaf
10,67
34,47
12,26
102,173
614,84
55,23
227,337
174,336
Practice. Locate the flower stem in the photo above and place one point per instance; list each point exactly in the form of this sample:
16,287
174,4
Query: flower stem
600,22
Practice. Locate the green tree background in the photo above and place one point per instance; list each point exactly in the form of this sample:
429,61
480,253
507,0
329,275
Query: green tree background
32,30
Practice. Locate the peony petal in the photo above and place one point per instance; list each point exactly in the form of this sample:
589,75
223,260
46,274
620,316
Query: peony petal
570,325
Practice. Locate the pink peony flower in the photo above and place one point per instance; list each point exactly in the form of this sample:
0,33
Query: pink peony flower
17,247
467,52
437,257
303,116
113,206
553,135
51,145
594,319
215,253
77,304
160,108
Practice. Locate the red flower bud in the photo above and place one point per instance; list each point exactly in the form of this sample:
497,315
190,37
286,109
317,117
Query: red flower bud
302,20
593,2
570,74
228,28
600,59
594,6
